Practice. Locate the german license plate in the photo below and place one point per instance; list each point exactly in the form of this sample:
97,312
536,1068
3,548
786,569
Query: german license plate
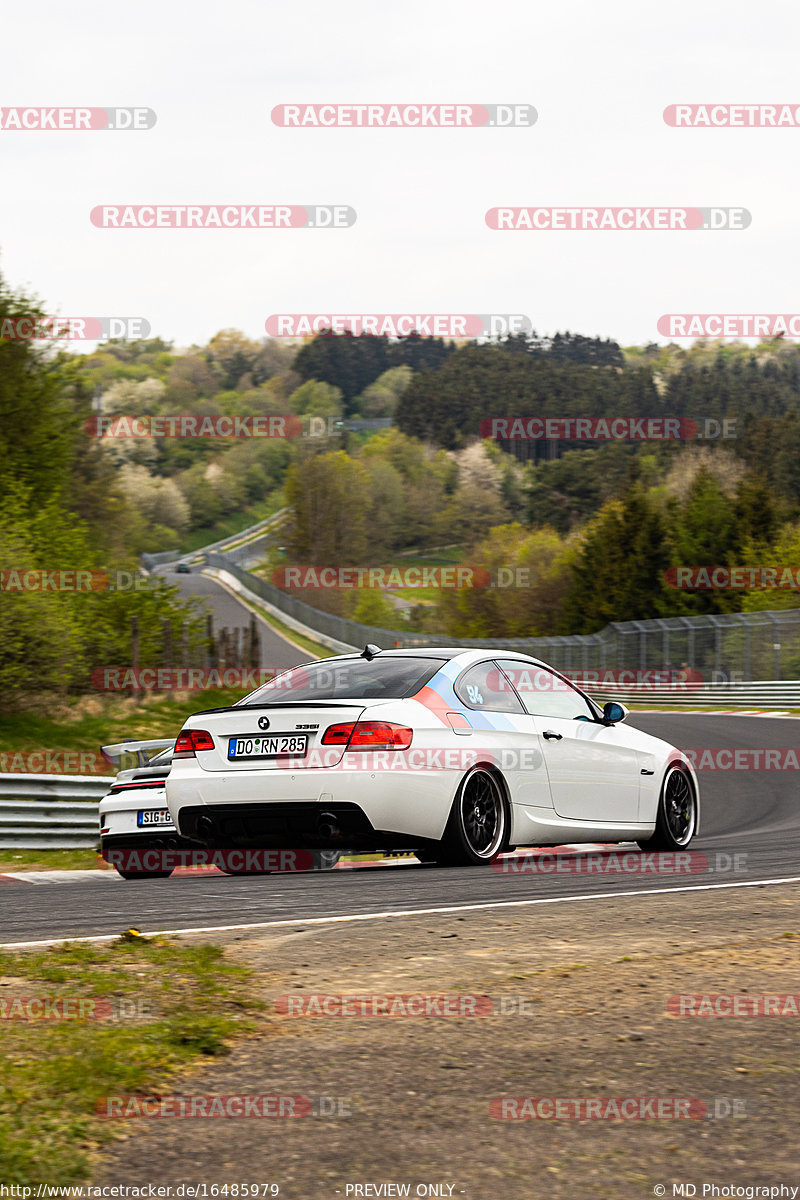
154,816
268,745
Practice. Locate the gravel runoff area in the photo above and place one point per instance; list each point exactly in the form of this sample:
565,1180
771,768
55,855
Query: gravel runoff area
580,1007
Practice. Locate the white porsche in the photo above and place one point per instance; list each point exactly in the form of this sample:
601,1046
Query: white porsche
456,754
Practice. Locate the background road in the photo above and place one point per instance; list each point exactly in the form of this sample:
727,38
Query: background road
228,611
744,812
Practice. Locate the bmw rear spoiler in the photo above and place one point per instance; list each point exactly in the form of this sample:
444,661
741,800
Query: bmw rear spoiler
146,751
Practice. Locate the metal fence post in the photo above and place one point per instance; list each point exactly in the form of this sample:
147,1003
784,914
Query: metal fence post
746,665
776,646
717,646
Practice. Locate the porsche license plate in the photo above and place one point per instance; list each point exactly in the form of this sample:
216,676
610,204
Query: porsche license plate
154,816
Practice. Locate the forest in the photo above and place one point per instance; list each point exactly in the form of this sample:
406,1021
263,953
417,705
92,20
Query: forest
597,524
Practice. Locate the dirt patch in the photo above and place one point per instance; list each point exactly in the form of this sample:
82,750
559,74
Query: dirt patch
580,995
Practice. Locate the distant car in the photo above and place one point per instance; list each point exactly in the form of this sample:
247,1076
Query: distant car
134,816
183,569
457,754
134,813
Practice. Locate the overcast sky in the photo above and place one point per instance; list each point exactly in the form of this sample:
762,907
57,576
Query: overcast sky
599,75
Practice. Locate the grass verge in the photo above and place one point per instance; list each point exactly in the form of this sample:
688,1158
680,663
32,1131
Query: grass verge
188,1003
82,724
316,649
49,860
232,525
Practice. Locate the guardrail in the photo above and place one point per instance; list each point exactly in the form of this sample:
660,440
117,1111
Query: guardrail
56,812
758,694
233,541
157,560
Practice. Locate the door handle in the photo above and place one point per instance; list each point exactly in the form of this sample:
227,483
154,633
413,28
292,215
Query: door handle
550,736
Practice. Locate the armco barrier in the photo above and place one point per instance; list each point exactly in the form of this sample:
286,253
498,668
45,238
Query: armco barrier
58,812
233,544
764,694
157,560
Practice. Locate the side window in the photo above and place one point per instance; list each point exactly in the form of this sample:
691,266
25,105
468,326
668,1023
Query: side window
484,686
545,694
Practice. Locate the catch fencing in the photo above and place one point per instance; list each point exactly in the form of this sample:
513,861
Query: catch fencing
728,648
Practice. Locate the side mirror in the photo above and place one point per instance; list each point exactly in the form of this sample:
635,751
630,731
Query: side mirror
614,713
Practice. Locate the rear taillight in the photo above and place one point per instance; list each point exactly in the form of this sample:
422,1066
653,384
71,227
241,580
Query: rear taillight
368,735
190,741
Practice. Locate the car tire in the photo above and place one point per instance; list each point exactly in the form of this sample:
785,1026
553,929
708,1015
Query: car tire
143,874
676,821
240,870
325,860
478,826
231,871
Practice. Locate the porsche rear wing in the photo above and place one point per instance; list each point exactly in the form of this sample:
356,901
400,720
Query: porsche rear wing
145,751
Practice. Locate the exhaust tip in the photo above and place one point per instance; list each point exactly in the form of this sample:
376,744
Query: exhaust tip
327,826
205,826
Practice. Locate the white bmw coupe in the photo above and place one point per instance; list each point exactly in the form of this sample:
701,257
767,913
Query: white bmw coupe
456,754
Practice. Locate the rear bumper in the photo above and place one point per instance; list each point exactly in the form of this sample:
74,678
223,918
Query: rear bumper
148,839
301,825
279,809
119,815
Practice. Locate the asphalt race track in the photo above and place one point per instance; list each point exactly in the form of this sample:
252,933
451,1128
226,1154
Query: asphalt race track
227,611
745,812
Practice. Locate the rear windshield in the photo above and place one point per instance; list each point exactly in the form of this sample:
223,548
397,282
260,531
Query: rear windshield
349,679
